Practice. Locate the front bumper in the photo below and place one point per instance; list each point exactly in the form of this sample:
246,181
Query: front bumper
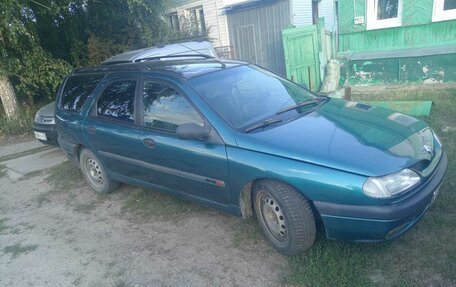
49,130
379,223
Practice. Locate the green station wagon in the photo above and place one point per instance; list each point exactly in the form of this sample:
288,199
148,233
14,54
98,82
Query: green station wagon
241,139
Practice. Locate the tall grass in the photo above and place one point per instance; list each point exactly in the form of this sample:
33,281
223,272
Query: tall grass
20,126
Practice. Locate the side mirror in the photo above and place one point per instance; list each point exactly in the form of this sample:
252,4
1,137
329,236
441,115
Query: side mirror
192,131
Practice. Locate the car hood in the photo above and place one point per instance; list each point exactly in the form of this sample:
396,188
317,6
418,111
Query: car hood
349,136
45,115
47,110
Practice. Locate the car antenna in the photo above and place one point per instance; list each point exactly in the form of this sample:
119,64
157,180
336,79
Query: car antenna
215,59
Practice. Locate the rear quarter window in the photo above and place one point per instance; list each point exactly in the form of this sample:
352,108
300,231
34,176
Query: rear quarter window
76,91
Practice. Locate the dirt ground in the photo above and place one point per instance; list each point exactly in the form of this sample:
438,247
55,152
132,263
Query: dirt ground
57,234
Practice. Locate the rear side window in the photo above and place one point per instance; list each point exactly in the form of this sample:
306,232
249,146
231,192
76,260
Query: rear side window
77,90
117,101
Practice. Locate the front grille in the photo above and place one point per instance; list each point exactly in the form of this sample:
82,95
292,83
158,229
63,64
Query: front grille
421,165
45,119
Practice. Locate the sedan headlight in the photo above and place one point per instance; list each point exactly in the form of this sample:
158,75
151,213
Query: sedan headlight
37,117
392,184
47,120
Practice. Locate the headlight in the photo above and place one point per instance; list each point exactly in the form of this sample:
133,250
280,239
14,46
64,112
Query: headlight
392,184
46,120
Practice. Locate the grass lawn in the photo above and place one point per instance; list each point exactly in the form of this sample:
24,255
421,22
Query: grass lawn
424,256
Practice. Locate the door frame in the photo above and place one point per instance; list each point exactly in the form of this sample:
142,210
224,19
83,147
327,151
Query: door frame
254,42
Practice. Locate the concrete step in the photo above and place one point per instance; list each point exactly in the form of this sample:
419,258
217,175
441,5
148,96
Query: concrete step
9,150
18,167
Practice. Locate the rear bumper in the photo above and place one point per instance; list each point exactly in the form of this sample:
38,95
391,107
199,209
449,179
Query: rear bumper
49,130
379,223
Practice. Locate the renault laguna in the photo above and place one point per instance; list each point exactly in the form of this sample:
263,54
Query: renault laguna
238,138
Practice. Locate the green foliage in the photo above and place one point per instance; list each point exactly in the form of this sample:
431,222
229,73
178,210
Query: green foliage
99,49
40,41
36,76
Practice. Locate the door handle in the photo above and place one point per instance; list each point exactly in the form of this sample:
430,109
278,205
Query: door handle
148,142
92,130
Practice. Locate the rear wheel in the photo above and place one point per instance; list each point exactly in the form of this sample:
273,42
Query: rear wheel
95,173
285,216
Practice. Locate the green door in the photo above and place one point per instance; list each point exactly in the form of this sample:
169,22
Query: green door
301,49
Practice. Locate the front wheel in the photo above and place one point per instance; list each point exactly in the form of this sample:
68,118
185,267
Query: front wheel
285,216
95,173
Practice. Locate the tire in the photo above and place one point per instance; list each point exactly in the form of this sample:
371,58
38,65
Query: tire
95,173
285,216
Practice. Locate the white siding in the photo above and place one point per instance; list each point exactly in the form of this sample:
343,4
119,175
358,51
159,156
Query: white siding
301,12
326,9
215,20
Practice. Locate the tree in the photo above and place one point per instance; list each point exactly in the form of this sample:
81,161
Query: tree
25,65
8,98
41,40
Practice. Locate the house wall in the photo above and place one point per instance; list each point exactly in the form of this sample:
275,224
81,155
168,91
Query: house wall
215,21
431,69
256,33
417,30
326,9
301,13
418,51
417,36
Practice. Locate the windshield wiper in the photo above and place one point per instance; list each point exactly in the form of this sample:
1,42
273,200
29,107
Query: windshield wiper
263,124
303,104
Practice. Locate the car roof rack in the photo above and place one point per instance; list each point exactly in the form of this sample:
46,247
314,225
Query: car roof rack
111,68
173,56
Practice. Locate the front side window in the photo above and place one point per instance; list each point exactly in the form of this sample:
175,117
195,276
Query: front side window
165,109
117,101
444,10
384,13
76,91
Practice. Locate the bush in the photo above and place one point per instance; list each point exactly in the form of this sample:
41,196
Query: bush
37,77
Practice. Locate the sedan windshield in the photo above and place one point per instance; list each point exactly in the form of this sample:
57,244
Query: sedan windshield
247,96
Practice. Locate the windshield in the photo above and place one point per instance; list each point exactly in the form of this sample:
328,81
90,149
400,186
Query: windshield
246,95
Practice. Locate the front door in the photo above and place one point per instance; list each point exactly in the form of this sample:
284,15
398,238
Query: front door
246,44
190,167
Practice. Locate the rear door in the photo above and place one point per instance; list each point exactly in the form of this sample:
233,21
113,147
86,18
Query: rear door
111,128
191,167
